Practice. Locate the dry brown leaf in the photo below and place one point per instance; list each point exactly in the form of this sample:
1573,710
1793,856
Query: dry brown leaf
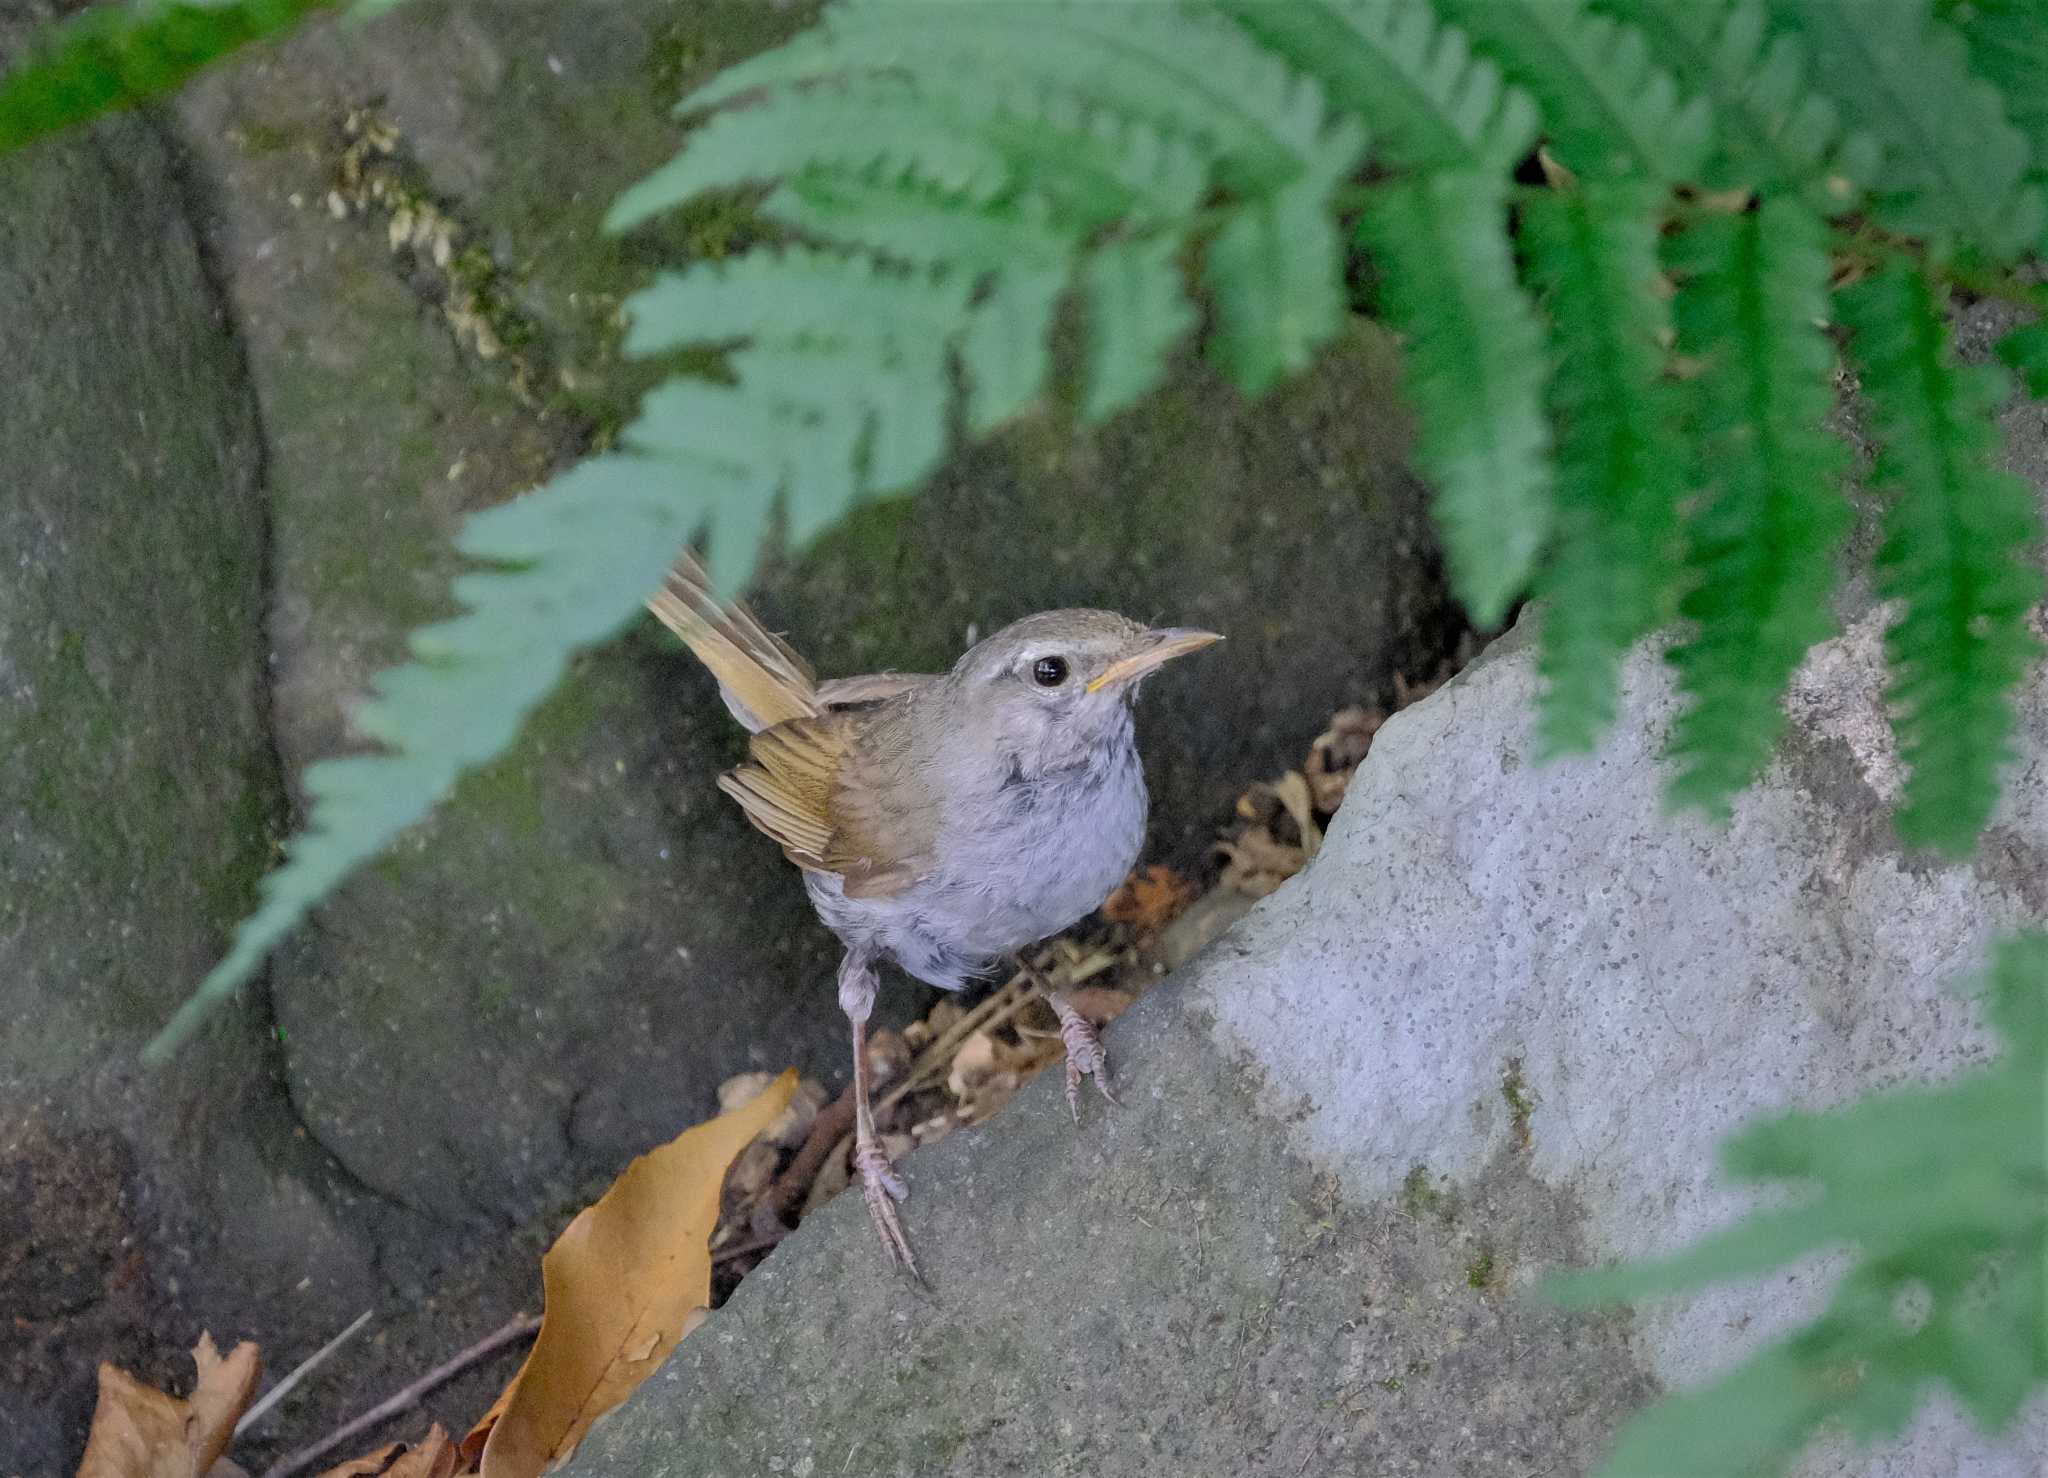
1257,864
629,1278
433,1456
973,1065
139,1432
1292,789
1149,899
1101,1004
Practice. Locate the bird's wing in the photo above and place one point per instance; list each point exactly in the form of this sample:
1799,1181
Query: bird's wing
856,692
831,792
761,678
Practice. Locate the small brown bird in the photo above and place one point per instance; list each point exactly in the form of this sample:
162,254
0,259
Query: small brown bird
942,820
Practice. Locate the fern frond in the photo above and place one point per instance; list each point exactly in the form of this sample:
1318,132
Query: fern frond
1136,314
1771,130
1277,270
2025,350
843,384
1939,1192
1190,75
1007,347
574,560
909,222
1960,541
1476,366
1761,542
1954,167
2008,46
1592,254
883,124
1428,101
1608,110
116,56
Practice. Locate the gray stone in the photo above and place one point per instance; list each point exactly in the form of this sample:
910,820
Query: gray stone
138,796
1499,1024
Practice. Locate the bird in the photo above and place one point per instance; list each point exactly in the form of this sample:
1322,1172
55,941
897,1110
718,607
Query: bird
941,821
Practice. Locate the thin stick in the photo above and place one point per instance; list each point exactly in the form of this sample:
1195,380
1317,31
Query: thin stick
518,1329
278,1392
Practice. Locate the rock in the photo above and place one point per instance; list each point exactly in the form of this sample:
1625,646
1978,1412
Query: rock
1498,1025
555,972
138,796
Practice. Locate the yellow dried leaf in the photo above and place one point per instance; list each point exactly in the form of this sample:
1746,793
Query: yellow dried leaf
434,1456
629,1277
138,1432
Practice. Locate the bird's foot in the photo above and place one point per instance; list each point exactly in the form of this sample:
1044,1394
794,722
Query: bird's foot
882,1188
1085,1057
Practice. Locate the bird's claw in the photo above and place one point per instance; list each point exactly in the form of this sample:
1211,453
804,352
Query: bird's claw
881,1187
1085,1057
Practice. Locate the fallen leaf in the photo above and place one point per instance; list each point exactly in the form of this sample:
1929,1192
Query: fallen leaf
973,1065
434,1456
629,1277
1101,1004
1292,789
1257,864
139,1432
1149,899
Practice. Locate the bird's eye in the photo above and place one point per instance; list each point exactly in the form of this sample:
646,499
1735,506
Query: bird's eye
1049,672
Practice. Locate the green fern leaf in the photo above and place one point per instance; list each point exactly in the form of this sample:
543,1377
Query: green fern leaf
1136,314
1278,273
1939,1190
883,124
1592,253
1476,365
574,562
1762,540
1954,167
2008,45
1188,75
2025,349
843,383
1429,102
116,56
907,221
1006,348
1960,542
1606,108
1772,132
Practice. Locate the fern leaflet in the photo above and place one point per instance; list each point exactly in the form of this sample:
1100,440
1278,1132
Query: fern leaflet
571,564
1954,167
1429,101
1772,132
1960,540
1606,108
2008,44
1944,1194
1593,254
116,56
1761,542
1476,369
2025,349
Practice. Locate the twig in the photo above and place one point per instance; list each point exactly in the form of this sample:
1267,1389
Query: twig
834,1121
278,1392
518,1329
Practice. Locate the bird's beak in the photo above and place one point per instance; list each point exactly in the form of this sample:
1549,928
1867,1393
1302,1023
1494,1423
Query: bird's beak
1160,645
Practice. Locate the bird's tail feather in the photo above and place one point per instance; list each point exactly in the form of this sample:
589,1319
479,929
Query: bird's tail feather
762,679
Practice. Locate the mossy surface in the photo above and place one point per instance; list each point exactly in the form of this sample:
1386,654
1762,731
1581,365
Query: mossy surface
139,799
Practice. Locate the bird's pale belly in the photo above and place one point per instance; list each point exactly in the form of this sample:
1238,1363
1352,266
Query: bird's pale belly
1056,854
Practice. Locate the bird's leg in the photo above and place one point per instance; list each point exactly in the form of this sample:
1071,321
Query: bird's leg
881,1186
1085,1057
